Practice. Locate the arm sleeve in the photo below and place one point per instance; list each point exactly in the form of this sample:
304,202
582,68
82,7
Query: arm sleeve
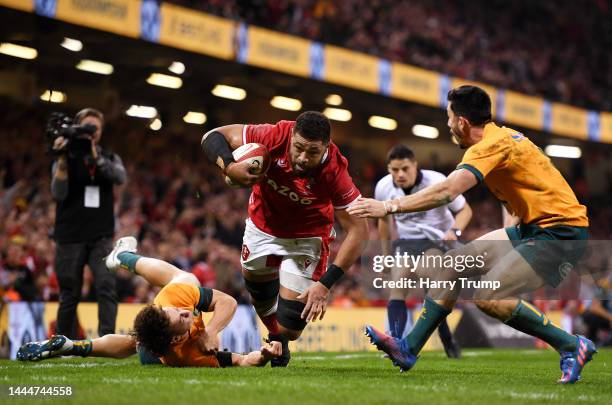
59,188
206,295
484,157
270,135
112,168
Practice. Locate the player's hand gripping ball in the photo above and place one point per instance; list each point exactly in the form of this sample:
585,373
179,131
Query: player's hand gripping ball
252,162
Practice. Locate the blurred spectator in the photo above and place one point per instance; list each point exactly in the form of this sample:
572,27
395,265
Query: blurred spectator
204,272
17,278
526,47
350,294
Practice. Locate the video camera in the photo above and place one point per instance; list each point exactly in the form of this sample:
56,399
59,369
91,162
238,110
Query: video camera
78,136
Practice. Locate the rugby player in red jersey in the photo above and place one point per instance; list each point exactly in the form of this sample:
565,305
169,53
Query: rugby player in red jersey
291,216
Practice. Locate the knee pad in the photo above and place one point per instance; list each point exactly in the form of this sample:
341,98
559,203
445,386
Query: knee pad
263,291
289,314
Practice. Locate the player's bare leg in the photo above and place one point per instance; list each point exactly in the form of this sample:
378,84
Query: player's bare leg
491,247
157,272
516,277
112,345
116,346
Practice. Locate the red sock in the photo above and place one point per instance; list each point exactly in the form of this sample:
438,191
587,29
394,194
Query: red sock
271,323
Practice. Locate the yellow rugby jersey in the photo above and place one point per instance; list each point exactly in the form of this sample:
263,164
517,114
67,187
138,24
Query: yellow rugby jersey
187,352
520,175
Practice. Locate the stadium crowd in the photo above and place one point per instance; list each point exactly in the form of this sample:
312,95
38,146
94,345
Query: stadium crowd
182,212
557,50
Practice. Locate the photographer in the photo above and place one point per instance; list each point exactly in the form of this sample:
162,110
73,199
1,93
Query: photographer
83,175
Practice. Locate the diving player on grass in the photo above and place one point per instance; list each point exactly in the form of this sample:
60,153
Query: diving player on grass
541,250
429,232
171,330
286,240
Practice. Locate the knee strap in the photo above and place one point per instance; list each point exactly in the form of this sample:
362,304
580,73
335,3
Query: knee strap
289,314
263,291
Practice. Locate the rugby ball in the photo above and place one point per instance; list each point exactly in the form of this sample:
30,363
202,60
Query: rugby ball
256,154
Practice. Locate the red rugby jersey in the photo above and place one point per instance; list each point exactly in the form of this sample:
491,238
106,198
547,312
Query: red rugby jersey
288,206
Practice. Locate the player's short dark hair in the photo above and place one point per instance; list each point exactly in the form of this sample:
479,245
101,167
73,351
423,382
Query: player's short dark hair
471,102
399,152
88,112
313,126
153,331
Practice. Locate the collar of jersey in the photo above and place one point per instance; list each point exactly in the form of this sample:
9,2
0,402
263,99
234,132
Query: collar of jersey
417,181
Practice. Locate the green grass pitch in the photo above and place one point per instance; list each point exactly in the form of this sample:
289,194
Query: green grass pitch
481,376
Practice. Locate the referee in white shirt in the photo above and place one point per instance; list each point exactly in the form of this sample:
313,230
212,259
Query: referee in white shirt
417,232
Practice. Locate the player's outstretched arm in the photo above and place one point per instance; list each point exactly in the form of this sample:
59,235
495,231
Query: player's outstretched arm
438,194
223,307
258,358
430,197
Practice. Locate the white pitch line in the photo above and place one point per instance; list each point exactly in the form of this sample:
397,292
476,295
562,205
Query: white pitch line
70,365
534,351
468,353
155,380
377,354
48,378
213,382
339,356
541,395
